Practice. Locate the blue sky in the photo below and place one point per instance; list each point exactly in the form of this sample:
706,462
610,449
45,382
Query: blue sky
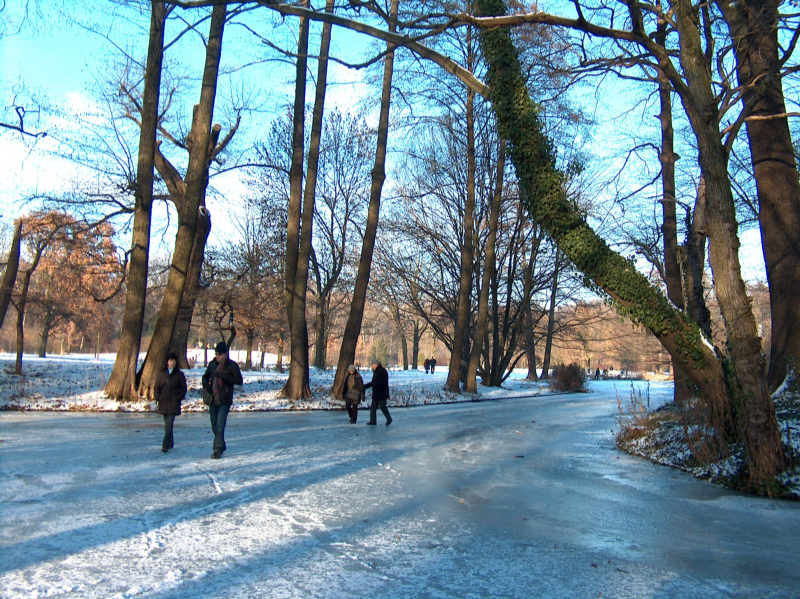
62,62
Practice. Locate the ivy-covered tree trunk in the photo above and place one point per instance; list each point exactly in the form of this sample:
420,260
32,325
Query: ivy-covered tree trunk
541,187
542,191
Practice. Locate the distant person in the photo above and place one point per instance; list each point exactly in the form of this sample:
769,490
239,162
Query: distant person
597,374
218,381
433,365
427,365
170,389
380,393
353,392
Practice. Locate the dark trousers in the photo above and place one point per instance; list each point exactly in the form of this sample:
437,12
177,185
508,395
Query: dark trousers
168,442
219,417
373,410
352,411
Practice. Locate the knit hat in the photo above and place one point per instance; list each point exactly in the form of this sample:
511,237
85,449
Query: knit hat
221,348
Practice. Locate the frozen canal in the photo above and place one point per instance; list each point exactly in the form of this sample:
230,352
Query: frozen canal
516,498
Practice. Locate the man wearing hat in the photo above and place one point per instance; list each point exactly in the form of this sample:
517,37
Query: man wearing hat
218,381
380,393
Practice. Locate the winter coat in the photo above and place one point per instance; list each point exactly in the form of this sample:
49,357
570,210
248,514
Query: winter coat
379,384
170,389
354,381
230,376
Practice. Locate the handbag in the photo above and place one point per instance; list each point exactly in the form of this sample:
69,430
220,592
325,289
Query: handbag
208,398
353,394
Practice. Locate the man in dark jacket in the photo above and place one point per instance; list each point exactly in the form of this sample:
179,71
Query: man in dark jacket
218,381
433,365
380,393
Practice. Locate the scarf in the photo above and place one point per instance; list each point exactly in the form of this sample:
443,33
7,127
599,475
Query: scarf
216,381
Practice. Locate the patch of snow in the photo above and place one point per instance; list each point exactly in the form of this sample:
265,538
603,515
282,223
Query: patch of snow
75,383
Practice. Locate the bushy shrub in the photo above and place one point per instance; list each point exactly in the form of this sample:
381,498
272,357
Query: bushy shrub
567,378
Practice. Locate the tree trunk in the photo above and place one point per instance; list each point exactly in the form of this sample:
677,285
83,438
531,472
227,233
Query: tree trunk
205,337
756,411
279,360
467,257
488,269
122,382
45,336
415,345
191,290
296,169
754,30
352,330
200,144
682,388
21,304
398,325
319,332
551,320
695,262
297,387
10,274
248,359
530,345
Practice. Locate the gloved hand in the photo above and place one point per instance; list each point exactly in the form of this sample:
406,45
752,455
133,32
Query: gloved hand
223,377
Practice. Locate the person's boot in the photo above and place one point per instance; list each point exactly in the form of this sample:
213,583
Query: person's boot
216,455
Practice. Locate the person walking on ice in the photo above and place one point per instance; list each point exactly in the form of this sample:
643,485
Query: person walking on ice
380,393
170,389
353,392
218,381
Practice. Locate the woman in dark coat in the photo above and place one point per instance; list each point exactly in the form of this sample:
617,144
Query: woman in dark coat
170,389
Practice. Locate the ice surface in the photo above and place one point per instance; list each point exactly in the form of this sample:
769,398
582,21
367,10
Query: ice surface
514,498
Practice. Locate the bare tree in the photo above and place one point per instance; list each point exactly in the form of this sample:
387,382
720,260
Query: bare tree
122,383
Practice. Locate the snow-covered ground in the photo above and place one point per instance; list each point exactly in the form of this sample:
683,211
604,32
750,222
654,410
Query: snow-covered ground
517,498
75,383
661,438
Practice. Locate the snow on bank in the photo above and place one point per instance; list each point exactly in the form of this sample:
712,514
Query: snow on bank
75,383
662,440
